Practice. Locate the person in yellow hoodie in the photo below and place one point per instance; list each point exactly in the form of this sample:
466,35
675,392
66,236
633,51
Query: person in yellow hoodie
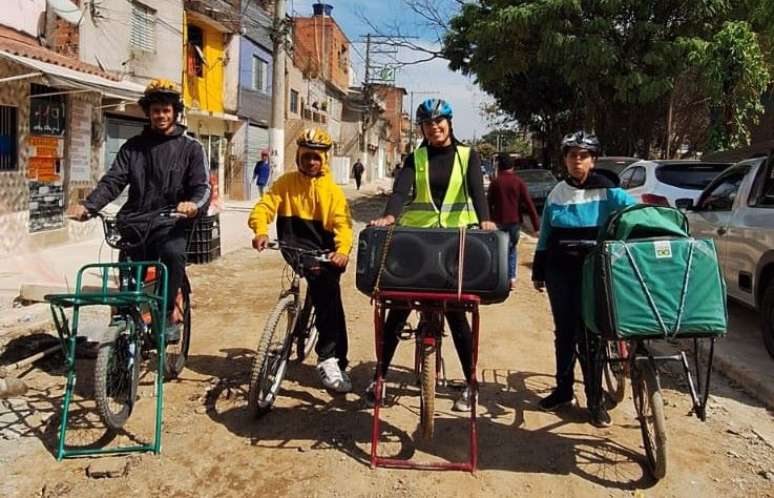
312,213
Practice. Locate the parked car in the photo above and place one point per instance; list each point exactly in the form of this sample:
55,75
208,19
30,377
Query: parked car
616,164
539,184
737,210
663,182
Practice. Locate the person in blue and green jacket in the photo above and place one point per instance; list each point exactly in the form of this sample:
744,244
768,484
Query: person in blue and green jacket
575,210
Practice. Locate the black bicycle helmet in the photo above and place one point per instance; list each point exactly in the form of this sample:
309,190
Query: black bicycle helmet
581,140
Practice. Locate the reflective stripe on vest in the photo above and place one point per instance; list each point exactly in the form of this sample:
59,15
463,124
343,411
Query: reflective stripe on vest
457,208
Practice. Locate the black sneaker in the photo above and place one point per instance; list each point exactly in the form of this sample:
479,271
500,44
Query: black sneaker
600,417
556,400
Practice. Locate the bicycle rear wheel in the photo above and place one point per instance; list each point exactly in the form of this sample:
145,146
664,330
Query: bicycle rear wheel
177,354
271,359
117,374
614,374
427,389
650,412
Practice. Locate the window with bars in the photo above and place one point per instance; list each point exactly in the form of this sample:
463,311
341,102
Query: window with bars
143,23
9,159
260,68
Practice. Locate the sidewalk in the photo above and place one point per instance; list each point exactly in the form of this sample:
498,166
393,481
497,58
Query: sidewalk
57,266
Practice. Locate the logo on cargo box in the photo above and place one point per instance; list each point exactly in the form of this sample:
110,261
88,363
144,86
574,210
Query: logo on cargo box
663,249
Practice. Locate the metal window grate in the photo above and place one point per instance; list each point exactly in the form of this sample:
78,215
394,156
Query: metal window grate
143,23
9,159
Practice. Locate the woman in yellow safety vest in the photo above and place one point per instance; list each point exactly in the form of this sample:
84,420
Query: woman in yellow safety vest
448,191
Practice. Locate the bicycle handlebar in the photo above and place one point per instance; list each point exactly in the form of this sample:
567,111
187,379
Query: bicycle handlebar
317,254
578,244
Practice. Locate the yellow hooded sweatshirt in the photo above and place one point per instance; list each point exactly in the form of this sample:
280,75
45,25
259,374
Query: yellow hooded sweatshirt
312,212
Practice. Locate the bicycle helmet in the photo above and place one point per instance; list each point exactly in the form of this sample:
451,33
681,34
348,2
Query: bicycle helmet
581,140
161,91
431,109
315,139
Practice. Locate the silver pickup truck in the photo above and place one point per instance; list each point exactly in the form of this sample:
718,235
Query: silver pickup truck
737,210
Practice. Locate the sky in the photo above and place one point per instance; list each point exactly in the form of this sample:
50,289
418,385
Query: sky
434,76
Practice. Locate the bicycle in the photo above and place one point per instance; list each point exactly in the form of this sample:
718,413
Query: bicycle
428,365
618,358
138,305
290,323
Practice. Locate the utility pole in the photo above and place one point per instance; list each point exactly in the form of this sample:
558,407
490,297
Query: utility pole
277,129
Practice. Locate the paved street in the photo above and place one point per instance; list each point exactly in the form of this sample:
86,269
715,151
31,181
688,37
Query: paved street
313,444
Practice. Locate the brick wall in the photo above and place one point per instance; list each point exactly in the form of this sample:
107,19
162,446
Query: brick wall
321,50
61,36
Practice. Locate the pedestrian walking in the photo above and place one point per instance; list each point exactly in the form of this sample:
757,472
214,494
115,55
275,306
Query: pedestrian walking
261,172
357,172
508,201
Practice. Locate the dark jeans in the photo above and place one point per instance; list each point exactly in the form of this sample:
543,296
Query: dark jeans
261,189
514,231
358,179
329,315
563,283
167,243
461,334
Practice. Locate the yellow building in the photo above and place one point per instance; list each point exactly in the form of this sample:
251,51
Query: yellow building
205,80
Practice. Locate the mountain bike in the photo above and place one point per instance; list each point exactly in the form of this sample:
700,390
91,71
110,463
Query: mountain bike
290,326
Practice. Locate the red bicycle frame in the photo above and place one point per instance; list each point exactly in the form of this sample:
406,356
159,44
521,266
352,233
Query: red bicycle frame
424,302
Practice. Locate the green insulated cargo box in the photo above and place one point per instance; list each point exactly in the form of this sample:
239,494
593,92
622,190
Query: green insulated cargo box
654,287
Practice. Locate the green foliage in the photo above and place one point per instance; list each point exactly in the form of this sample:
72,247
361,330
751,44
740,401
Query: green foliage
611,65
735,76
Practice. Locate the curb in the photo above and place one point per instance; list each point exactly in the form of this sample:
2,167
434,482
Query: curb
750,384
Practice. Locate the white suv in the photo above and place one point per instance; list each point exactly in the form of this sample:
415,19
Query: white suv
663,182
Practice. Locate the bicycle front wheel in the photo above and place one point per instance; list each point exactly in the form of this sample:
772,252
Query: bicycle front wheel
650,412
427,387
271,359
117,374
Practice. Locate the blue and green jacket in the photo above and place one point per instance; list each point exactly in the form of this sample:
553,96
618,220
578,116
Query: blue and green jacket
576,212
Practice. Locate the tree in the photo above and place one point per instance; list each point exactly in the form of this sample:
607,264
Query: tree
614,67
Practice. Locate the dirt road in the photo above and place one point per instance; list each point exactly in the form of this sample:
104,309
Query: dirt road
313,444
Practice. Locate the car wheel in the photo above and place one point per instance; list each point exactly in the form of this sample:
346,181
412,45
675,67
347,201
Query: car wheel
767,318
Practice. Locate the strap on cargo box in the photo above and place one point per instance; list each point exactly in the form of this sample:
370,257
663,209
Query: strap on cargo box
652,302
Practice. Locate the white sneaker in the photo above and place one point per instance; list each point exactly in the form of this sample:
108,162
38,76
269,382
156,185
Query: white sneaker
332,377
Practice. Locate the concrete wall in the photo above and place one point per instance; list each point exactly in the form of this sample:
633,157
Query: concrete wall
254,104
26,16
231,75
105,40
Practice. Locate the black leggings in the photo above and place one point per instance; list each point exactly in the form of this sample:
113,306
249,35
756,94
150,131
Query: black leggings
460,330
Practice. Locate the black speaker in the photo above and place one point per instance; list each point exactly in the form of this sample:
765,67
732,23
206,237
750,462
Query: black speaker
424,259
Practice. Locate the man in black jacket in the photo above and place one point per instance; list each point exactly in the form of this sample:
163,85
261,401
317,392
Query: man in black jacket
164,169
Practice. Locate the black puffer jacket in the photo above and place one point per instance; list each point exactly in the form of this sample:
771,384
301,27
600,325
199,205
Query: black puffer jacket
161,171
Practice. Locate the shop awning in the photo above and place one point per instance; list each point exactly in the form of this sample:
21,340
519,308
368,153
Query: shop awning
63,76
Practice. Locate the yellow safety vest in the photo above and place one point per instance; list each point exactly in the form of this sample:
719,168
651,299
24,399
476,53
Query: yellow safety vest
457,208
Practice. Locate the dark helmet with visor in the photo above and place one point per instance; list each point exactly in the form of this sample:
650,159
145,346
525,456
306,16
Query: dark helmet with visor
581,140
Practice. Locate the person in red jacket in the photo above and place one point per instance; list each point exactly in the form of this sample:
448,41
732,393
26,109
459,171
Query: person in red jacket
508,202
